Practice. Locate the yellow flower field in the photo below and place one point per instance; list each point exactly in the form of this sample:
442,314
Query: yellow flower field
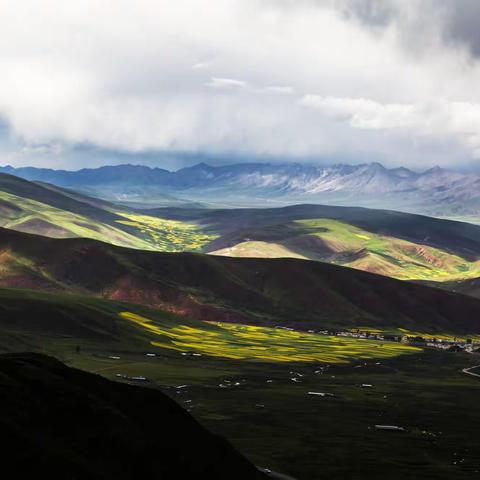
246,342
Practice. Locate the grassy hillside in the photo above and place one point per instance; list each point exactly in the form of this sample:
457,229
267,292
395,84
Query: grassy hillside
256,291
394,244
399,245
31,216
50,211
340,243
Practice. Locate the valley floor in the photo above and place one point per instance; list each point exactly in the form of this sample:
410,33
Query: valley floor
266,411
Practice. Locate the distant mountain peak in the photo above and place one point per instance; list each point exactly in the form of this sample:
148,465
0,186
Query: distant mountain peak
399,188
434,170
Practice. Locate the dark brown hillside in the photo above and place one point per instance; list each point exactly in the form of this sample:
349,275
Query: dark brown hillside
288,291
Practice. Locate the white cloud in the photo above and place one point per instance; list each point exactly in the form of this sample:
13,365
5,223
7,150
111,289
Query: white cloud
365,113
217,82
438,119
236,76
283,90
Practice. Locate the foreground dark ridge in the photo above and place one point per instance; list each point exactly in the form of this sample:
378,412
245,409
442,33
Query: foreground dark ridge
58,422
298,293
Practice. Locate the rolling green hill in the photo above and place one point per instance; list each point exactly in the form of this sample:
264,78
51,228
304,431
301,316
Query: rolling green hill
266,292
58,213
394,244
398,245
340,243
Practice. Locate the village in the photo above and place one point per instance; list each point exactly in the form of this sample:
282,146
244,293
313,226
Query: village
450,344
454,344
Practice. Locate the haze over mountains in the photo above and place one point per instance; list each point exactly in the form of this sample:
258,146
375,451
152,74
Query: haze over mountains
435,191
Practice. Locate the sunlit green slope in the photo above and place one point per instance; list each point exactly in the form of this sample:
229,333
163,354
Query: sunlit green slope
344,244
52,212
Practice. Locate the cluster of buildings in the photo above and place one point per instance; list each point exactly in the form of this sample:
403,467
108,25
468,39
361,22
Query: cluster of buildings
468,345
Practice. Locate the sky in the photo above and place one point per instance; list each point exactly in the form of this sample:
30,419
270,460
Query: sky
164,83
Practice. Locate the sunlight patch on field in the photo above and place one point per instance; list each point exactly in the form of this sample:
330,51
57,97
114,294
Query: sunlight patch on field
245,342
167,235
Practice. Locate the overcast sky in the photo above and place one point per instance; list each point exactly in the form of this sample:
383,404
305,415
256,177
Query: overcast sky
396,81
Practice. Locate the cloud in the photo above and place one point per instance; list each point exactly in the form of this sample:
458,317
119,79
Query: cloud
283,90
437,119
217,82
388,80
364,113
453,22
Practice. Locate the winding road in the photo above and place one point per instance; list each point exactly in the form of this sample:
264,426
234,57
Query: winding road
468,371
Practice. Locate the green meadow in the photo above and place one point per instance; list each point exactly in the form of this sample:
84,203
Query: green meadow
32,216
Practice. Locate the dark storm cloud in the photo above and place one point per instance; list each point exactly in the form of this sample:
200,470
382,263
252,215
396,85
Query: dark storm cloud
462,23
455,21
371,12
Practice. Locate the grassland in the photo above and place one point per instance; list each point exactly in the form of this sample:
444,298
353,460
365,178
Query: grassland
344,244
122,228
31,216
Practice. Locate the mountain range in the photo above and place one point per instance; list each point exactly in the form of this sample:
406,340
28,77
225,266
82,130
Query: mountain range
436,191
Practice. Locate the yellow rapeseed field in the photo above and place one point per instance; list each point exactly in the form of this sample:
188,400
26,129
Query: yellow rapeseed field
246,342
